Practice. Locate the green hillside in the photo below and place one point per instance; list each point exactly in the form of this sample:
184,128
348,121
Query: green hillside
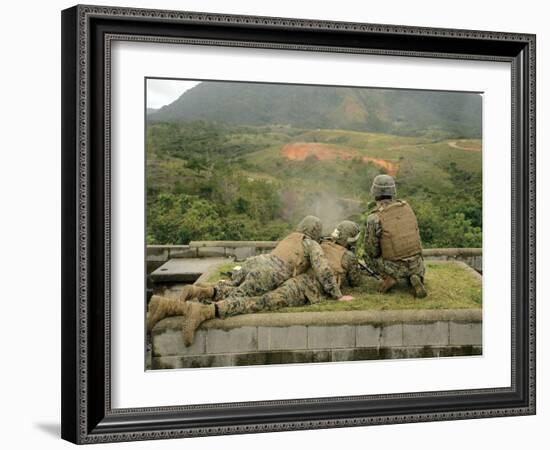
402,112
222,181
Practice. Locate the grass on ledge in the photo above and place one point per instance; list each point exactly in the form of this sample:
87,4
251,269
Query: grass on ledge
449,286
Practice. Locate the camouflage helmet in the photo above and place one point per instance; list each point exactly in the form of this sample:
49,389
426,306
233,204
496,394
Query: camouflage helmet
311,226
383,185
346,233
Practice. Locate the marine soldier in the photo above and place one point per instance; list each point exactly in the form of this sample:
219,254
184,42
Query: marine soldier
392,245
308,287
292,256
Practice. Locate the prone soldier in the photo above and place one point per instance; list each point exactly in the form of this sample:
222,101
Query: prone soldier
294,255
392,245
311,286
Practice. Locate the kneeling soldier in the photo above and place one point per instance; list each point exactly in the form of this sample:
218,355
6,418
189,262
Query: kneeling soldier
392,245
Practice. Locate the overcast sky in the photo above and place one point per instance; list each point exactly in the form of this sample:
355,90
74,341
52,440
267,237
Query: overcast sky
164,92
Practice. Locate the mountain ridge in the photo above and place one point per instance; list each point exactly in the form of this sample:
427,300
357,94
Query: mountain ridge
405,112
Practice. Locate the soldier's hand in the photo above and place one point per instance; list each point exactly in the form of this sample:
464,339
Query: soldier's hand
346,298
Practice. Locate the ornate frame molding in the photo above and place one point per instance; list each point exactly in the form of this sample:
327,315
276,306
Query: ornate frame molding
86,55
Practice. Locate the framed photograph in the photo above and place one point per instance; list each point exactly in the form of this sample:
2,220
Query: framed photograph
281,224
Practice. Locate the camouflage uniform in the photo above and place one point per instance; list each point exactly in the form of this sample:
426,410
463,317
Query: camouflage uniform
263,273
372,251
309,287
298,255
257,275
293,256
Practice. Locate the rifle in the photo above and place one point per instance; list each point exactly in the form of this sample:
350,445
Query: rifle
368,270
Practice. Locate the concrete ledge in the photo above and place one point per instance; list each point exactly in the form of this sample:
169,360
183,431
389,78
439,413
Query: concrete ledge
278,338
377,318
173,250
234,244
310,356
185,270
451,252
240,250
471,257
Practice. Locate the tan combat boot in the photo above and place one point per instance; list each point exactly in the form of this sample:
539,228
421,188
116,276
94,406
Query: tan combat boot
161,307
194,292
387,283
418,286
194,315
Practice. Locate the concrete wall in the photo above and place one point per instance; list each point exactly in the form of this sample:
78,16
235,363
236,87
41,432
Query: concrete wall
279,338
240,250
471,256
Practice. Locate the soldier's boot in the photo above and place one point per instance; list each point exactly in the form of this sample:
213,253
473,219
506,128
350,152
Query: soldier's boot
387,283
418,286
152,308
195,314
161,307
194,292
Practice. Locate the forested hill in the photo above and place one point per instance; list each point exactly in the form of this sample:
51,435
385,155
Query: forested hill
403,112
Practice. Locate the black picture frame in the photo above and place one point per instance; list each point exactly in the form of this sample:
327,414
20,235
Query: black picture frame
87,415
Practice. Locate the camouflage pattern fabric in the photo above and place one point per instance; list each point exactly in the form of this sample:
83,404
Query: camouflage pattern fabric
397,269
360,243
373,234
372,252
257,275
293,292
263,273
351,265
320,268
300,290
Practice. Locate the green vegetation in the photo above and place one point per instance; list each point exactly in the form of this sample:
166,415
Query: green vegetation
449,286
221,272
210,181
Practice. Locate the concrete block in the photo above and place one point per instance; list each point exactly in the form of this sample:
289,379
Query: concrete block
342,336
320,356
209,252
192,361
157,253
184,270
226,360
367,336
476,262
281,357
282,338
241,253
391,335
461,350
153,265
244,339
465,333
436,333
355,354
183,252
170,342
411,352
167,362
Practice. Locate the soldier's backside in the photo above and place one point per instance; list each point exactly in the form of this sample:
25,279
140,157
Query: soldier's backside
392,244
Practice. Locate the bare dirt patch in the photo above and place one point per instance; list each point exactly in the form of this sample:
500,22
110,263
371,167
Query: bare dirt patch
465,145
299,151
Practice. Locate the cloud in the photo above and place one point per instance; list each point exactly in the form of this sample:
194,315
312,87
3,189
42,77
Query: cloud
164,92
